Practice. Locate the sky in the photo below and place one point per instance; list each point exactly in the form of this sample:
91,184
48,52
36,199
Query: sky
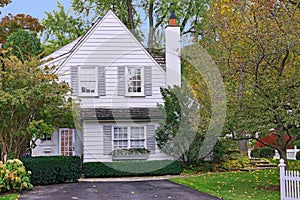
35,8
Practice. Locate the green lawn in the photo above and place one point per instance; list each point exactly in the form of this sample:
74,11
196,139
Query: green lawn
9,197
236,185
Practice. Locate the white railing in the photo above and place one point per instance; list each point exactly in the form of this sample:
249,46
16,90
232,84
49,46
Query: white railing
290,153
289,183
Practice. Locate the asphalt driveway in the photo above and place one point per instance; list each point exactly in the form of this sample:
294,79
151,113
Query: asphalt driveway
133,190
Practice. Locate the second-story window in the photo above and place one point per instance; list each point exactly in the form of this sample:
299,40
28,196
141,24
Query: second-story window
134,81
88,81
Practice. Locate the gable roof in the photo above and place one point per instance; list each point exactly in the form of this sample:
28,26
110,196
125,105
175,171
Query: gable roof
61,56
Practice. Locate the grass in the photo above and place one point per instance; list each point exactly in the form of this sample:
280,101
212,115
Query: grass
256,185
13,196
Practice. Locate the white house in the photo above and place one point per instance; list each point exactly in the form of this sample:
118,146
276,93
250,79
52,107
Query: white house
118,84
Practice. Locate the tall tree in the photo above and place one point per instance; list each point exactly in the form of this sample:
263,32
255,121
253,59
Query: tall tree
125,10
23,45
190,15
257,48
178,134
61,28
30,97
11,23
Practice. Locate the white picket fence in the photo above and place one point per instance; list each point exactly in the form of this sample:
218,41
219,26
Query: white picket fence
289,183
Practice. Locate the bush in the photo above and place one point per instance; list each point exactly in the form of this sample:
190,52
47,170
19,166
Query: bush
225,149
200,167
14,177
265,152
298,155
133,168
297,144
255,153
236,163
53,169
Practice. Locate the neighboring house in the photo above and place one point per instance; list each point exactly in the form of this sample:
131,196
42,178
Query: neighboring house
118,84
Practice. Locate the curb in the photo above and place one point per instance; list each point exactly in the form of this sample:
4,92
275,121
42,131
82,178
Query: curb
130,179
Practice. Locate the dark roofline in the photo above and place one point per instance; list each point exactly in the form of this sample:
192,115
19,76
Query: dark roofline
116,114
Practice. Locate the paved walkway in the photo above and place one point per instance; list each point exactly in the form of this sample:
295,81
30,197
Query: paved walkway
116,190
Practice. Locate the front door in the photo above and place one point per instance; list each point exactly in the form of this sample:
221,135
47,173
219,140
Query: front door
67,141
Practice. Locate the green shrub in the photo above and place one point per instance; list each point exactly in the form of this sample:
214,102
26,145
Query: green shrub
200,167
265,152
297,144
298,155
53,169
131,168
236,163
14,177
255,153
225,149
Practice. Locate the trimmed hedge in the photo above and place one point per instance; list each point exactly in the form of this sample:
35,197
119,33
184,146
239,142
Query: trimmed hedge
53,169
131,168
265,152
255,153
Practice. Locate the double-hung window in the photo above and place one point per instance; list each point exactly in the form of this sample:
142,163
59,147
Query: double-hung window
134,81
88,81
128,137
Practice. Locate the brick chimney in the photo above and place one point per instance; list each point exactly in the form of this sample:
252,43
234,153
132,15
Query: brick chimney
173,63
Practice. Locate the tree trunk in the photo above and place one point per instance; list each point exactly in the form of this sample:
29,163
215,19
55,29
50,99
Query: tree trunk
242,144
3,152
151,28
282,154
130,16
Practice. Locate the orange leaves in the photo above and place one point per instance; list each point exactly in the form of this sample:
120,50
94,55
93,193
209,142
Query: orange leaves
11,23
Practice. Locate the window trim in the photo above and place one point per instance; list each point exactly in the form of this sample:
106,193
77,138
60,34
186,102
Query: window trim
129,136
81,94
135,94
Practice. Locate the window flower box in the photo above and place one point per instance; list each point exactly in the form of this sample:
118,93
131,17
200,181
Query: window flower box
130,154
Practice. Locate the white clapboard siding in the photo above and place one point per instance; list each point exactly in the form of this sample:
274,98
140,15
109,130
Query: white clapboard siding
93,142
111,45
47,147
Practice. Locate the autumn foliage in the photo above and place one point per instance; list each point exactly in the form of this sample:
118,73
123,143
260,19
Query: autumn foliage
271,140
11,23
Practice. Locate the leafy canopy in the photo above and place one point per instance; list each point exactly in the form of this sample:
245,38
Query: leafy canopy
32,103
10,24
61,28
257,47
23,45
